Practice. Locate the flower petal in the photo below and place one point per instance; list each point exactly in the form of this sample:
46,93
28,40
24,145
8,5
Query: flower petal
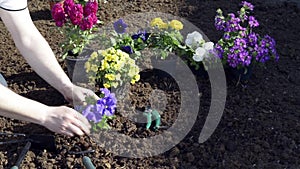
208,46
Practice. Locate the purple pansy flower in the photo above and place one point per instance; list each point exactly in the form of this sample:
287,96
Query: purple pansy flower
219,23
93,113
120,26
127,49
104,106
141,34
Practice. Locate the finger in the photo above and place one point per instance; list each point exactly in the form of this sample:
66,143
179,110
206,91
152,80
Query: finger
96,97
85,128
75,129
77,115
66,132
82,119
81,122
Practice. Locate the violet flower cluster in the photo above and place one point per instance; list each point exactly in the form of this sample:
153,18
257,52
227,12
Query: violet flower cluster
105,106
83,16
240,45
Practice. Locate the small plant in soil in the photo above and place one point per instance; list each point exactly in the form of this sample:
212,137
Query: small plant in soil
240,46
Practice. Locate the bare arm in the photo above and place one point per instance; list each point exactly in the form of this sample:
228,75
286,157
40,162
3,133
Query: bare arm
35,49
39,55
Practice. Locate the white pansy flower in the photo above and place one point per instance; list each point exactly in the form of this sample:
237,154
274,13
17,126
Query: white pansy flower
193,39
199,54
208,46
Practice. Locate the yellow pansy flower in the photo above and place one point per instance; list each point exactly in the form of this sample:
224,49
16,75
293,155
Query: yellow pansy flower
94,55
175,24
110,76
109,57
156,21
116,66
137,77
103,52
104,65
120,52
159,23
111,50
131,61
106,85
163,26
94,68
131,72
87,66
132,81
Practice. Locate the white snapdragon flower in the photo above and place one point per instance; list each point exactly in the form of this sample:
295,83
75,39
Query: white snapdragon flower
193,39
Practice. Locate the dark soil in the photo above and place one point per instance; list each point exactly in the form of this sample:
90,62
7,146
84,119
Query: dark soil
260,127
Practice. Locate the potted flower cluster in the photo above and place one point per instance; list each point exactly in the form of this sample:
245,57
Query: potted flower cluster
112,68
77,21
241,47
161,36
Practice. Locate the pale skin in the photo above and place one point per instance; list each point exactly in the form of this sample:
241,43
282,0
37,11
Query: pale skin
38,54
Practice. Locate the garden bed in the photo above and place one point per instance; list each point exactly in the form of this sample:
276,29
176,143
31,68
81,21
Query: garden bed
261,122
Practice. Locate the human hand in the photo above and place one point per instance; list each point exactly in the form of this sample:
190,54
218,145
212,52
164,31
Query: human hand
67,121
77,95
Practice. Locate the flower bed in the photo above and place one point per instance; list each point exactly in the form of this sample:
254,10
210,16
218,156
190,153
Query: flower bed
245,136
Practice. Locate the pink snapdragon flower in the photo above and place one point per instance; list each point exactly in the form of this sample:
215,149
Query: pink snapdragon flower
68,4
90,7
76,14
87,23
58,14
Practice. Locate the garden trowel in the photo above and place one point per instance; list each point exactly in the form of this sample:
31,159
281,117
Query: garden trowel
38,141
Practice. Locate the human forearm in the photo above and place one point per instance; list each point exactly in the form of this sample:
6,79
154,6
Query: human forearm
35,49
15,106
61,119
40,57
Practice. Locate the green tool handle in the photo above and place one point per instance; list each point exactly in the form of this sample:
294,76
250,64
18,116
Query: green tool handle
149,120
22,155
88,163
157,119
